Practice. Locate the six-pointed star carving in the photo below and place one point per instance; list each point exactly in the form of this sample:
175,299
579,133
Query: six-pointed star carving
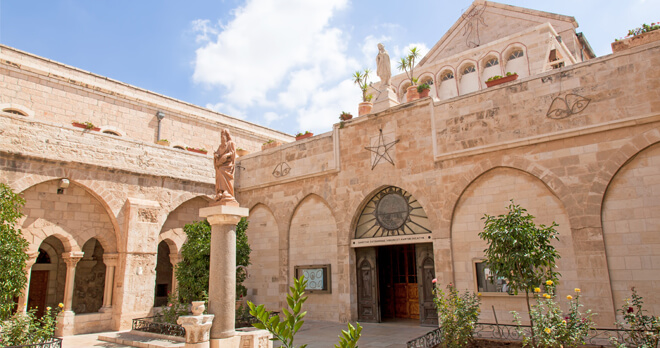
381,150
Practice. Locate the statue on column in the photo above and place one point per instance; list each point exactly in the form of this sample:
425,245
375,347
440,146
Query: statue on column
383,67
223,161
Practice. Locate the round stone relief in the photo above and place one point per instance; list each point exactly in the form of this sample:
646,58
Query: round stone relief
392,211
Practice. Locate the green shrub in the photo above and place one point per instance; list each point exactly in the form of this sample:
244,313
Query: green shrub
26,328
643,330
457,315
13,249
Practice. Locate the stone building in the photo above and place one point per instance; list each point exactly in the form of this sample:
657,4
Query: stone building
371,211
105,206
384,203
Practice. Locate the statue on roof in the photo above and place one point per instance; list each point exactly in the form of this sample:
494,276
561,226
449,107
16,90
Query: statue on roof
223,162
383,66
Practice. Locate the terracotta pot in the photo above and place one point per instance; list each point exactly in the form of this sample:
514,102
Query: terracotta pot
163,142
203,152
365,108
267,146
412,94
424,93
345,117
502,80
242,152
635,41
197,307
304,136
82,125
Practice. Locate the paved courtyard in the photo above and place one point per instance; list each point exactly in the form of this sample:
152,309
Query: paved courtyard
317,334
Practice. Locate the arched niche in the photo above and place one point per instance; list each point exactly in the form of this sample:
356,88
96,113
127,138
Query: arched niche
469,78
47,276
90,279
446,84
164,274
515,60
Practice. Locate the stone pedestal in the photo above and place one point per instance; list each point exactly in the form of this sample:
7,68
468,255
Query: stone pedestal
386,99
197,330
222,275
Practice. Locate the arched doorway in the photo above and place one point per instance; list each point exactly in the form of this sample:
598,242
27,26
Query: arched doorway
90,279
47,277
164,271
394,255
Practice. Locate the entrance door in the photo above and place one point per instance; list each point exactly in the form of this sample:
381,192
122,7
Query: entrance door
428,316
367,277
398,282
38,291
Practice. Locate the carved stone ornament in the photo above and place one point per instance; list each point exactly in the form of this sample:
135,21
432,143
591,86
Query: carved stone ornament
224,163
570,104
281,170
197,327
381,151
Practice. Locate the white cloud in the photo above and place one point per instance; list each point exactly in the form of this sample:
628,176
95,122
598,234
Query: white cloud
270,117
326,105
265,44
204,30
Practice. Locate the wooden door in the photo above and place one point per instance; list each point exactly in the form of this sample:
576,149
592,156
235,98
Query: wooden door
428,316
38,291
367,279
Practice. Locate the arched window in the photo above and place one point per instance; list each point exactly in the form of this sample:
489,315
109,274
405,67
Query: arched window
469,80
403,92
447,85
111,132
517,53
491,67
15,112
517,62
178,147
492,62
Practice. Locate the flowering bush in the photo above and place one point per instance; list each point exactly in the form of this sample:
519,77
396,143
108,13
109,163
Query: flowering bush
645,28
552,328
174,309
26,328
643,330
457,315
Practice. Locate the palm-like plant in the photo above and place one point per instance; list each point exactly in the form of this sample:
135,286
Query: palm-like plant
407,64
361,79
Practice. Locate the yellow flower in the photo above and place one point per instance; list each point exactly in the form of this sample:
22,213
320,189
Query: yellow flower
569,297
546,295
577,289
563,322
61,305
48,308
547,330
537,289
549,282
478,294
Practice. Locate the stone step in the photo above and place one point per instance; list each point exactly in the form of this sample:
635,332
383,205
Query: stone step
140,340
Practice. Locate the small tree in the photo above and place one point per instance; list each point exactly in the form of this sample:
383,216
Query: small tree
192,273
407,64
13,249
458,315
520,251
361,79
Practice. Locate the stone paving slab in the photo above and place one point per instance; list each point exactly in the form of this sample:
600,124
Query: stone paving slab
317,334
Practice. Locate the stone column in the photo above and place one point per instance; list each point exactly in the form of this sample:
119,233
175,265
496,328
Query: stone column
65,320
110,261
23,298
174,260
222,275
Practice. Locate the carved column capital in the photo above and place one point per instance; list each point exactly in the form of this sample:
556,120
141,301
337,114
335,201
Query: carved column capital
110,260
32,258
71,259
197,327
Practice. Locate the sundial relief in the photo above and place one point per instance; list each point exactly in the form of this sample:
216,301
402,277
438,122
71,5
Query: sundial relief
392,212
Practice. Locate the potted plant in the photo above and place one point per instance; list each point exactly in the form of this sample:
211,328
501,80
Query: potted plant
200,150
345,116
301,135
498,80
424,89
361,79
242,152
270,144
638,36
163,142
407,64
86,125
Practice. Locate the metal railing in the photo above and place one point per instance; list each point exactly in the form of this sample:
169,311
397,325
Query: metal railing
51,343
151,324
597,337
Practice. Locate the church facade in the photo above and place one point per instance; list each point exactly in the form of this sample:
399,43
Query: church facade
371,211
388,201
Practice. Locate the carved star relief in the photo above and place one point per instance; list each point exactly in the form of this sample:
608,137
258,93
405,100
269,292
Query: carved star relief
381,151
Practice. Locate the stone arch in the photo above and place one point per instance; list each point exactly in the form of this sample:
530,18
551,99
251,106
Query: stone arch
75,216
520,67
313,240
446,87
89,281
265,270
552,181
37,236
186,211
402,90
468,81
112,130
630,228
488,72
490,193
17,109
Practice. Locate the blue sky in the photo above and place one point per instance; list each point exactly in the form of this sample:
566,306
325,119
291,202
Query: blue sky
285,64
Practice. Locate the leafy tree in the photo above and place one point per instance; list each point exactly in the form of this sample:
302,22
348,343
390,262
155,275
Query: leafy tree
407,64
13,249
521,252
192,272
458,315
361,79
